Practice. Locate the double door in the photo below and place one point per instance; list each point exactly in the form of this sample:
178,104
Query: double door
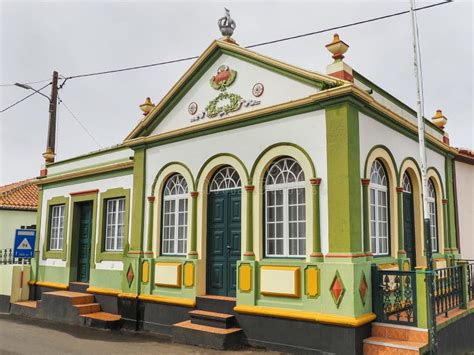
223,241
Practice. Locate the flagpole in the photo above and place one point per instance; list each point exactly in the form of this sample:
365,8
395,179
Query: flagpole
433,344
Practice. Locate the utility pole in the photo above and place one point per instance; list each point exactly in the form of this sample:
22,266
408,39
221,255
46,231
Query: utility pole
430,281
50,152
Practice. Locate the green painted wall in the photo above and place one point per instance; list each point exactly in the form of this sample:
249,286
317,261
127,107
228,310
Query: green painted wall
10,221
344,186
106,279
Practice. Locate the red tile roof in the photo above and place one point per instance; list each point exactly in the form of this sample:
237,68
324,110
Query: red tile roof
22,195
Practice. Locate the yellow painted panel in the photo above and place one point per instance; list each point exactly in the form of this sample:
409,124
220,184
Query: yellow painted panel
168,274
245,278
189,274
145,272
312,281
280,281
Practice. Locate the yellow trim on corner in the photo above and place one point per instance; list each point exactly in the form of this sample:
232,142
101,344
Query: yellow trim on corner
186,302
307,316
104,291
57,285
189,274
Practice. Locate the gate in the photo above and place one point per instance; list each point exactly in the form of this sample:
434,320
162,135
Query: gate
394,296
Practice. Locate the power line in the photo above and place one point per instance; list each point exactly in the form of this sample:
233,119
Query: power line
23,99
258,44
79,122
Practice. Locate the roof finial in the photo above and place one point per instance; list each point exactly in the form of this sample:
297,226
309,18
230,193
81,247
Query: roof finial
337,47
147,106
439,120
227,26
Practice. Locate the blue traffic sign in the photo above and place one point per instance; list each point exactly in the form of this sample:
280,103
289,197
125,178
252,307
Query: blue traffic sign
24,243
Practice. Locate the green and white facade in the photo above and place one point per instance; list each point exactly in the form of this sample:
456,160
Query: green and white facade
252,179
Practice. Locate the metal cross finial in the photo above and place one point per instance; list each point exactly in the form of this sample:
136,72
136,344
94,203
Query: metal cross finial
226,24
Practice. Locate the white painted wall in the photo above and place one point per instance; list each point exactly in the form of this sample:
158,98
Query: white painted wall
11,220
307,130
278,89
392,106
87,161
465,203
373,133
125,182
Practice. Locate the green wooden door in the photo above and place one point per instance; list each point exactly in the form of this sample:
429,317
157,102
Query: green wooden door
84,242
223,241
409,228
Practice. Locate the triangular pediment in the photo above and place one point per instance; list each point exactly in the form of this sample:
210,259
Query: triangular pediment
228,80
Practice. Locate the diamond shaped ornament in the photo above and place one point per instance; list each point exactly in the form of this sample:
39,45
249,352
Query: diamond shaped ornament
130,276
363,288
337,289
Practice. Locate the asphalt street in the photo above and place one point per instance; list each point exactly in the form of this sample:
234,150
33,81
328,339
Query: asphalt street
32,336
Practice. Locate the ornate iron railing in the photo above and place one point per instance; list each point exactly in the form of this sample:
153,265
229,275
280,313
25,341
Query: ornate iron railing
448,289
470,279
394,296
7,258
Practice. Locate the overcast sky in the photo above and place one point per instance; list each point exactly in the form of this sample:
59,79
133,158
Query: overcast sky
81,37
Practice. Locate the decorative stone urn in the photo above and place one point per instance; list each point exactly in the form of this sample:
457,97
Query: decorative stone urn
439,120
337,47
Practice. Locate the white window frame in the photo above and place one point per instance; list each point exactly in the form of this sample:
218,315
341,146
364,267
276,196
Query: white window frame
433,216
376,193
114,241
179,199
56,239
285,187
226,178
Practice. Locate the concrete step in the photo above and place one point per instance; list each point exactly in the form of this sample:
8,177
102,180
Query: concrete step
74,298
102,320
212,319
202,335
24,308
399,332
219,304
88,308
377,345
78,287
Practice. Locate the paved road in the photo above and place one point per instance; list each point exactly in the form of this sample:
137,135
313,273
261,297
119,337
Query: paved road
32,336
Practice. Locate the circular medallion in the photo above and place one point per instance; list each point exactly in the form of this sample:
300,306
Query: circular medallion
192,108
258,89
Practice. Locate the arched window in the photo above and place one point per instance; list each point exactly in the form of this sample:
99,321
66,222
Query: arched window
406,184
379,225
433,216
175,215
285,209
226,178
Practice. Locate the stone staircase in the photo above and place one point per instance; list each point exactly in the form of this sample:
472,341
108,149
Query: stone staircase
396,339
212,324
72,307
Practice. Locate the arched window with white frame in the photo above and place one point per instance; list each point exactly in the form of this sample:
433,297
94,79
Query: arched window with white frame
433,216
175,216
379,210
285,209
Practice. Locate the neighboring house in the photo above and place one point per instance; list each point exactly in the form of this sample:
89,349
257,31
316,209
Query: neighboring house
464,172
257,183
18,206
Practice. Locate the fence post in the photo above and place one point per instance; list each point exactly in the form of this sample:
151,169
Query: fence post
421,304
465,283
375,290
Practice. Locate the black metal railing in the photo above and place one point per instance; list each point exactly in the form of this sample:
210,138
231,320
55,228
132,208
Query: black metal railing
448,289
394,296
470,279
7,258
